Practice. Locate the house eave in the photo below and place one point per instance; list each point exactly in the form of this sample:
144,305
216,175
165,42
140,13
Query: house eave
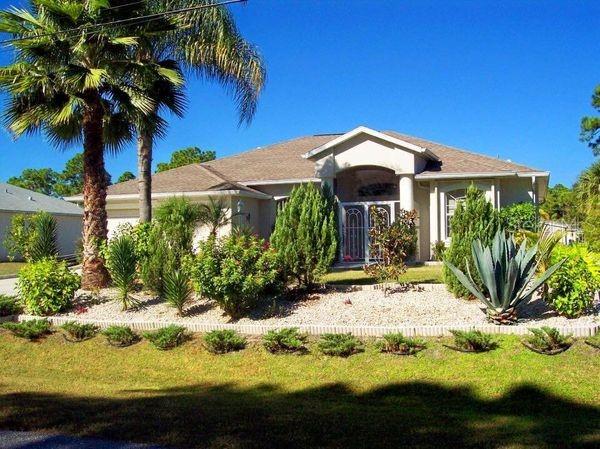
197,194
265,182
473,175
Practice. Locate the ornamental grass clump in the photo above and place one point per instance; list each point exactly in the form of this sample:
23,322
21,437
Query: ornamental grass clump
177,289
285,340
340,345
223,341
78,332
548,341
31,330
166,338
9,305
397,343
120,336
507,274
472,341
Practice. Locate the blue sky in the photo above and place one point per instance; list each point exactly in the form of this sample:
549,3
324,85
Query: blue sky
509,79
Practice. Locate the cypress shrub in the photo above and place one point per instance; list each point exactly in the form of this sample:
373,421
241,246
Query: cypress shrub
474,219
305,234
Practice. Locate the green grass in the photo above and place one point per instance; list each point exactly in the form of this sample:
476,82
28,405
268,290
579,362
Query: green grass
9,268
187,397
422,274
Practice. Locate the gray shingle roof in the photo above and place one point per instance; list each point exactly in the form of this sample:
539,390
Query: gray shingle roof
17,199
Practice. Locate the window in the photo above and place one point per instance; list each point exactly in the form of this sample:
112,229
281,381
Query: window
452,199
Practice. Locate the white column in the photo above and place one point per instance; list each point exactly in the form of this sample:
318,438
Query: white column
434,213
407,201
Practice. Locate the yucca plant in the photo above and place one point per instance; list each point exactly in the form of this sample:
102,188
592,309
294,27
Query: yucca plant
507,274
548,340
121,263
178,289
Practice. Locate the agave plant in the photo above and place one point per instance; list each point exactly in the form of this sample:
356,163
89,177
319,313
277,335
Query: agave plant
507,274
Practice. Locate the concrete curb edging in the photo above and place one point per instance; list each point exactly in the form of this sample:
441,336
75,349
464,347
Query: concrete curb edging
359,331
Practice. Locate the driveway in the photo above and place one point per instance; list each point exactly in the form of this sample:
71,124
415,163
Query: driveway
7,287
34,440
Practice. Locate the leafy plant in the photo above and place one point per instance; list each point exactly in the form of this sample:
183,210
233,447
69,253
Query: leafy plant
473,341
155,261
507,274
548,340
222,341
178,289
77,332
176,220
214,215
341,345
438,249
574,285
285,340
120,336
397,343
474,219
594,341
31,330
121,261
9,306
305,234
519,216
32,236
47,287
166,338
234,271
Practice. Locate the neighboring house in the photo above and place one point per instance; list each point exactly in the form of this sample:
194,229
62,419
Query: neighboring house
16,200
364,167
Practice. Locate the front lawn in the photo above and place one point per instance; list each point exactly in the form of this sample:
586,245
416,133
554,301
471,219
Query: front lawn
509,398
422,274
10,268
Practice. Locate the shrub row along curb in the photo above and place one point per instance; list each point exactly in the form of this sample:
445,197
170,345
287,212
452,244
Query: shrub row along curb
359,331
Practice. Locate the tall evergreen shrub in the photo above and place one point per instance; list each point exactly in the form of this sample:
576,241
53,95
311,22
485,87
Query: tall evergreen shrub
305,234
474,219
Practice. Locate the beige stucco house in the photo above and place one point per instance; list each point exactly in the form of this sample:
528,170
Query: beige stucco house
364,167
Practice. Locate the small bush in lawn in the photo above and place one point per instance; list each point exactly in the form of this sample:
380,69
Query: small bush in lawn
177,289
594,341
473,341
341,345
9,306
31,330
166,338
548,340
396,343
77,332
47,287
285,340
222,341
120,336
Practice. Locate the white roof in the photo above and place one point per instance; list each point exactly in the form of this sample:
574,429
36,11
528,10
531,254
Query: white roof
17,199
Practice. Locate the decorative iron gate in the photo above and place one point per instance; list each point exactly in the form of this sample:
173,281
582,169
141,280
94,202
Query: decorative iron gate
355,225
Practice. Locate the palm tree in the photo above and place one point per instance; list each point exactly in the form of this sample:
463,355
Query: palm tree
215,215
73,79
587,187
205,43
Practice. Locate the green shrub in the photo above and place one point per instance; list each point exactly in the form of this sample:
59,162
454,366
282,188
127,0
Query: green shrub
120,336
121,261
548,340
166,338
438,249
77,332
473,341
222,341
176,218
572,288
519,216
341,345
47,287
234,271
9,306
396,343
178,289
32,236
474,219
305,234
155,262
31,330
285,340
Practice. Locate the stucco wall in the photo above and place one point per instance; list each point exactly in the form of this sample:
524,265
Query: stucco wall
515,190
68,230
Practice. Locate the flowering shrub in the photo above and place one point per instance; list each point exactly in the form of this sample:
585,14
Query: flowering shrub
234,271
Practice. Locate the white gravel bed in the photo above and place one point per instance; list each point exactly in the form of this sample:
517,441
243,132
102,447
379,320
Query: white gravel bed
423,307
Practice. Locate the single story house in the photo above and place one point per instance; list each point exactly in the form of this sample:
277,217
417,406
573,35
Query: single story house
364,167
16,200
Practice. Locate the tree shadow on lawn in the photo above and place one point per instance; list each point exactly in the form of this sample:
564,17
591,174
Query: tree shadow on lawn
416,415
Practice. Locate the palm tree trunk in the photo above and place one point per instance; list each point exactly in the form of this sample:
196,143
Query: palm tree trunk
144,143
95,226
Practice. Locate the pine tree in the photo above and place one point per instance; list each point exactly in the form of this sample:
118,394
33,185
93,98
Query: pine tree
474,218
305,234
